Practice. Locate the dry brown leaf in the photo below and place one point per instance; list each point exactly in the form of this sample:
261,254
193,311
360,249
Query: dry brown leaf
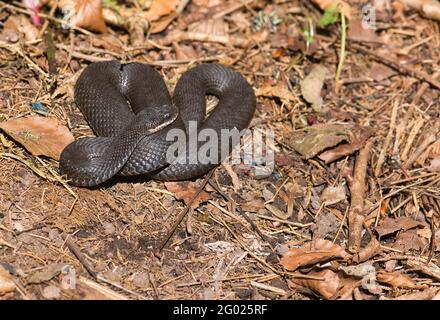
162,23
6,282
397,280
360,136
39,135
210,30
185,191
279,90
322,251
312,84
356,31
410,240
315,139
160,8
253,205
16,27
391,225
325,288
46,274
373,248
332,195
184,52
85,14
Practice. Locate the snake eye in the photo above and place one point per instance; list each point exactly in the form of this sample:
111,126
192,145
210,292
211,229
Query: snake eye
167,115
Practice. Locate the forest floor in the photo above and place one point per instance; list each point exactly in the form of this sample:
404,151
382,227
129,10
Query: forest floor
349,209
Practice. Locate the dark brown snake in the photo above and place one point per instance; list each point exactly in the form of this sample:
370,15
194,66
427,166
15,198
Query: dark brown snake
129,108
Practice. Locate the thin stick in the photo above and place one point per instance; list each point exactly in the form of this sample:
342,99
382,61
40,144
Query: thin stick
357,186
183,214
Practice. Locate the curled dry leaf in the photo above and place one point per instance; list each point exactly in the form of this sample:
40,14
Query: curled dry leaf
360,136
312,85
211,30
6,282
391,225
39,135
85,14
397,280
185,191
160,8
373,248
315,139
326,288
279,90
322,251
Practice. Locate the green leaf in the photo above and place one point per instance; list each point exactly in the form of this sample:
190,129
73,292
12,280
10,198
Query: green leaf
331,15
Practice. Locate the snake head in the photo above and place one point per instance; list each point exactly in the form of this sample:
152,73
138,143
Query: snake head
158,117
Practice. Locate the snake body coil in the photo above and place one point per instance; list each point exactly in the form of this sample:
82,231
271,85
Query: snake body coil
131,111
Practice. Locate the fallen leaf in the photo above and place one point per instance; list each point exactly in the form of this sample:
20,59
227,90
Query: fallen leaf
391,225
18,26
325,288
398,280
313,140
46,274
210,30
322,251
359,137
85,14
253,205
356,31
161,8
434,166
410,240
359,271
6,282
185,191
373,248
162,23
326,224
279,90
312,85
184,52
39,135
332,195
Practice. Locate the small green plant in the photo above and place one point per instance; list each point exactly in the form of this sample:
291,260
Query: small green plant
331,15
309,33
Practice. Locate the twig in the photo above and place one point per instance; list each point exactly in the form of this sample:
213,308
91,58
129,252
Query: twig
182,214
401,68
342,53
387,141
78,254
357,187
